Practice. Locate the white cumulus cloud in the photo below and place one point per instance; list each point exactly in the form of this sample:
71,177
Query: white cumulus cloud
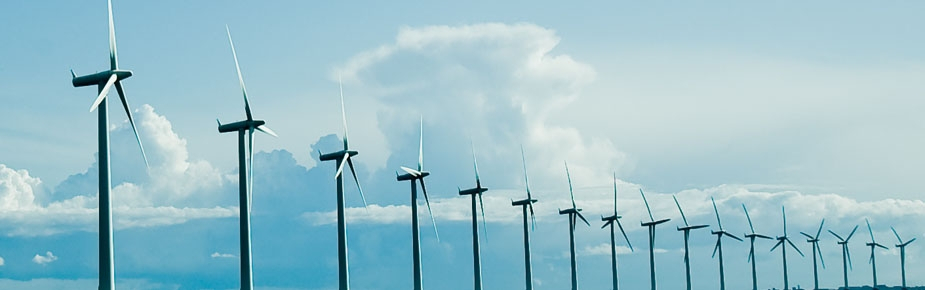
44,260
221,255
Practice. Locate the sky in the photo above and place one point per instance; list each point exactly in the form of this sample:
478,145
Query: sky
808,106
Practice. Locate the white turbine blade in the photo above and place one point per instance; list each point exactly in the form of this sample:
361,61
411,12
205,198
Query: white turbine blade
776,245
475,164
896,234
411,171
680,210
836,235
113,57
105,91
421,148
247,105
128,112
819,252
484,222
343,162
343,109
582,218
357,180
647,205
851,234
716,247
624,235
431,212
795,248
820,229
806,235
523,158
847,253
571,193
615,197
267,130
250,169
871,231
784,214
732,236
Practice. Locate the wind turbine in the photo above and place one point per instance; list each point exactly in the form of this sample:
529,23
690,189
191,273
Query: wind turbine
416,176
719,245
902,254
873,245
525,204
476,254
574,214
651,225
814,240
751,252
845,253
105,80
343,157
610,221
244,184
687,234
782,242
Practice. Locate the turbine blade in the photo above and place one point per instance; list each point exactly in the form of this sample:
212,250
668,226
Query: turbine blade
784,214
820,229
421,148
647,204
718,221
484,222
219,122
852,233
250,169
343,162
532,215
716,247
751,253
679,209
431,212
113,57
128,112
475,164
869,230
882,246
411,171
819,252
776,245
732,236
750,226
615,198
910,241
571,193
624,235
343,109
896,234
806,235
105,91
848,254
795,248
610,222
871,260
247,105
523,158
582,218
357,180
267,130
836,235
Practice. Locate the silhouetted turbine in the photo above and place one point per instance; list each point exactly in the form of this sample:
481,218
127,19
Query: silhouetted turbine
814,240
416,176
245,176
610,221
104,80
687,234
342,158
845,253
473,192
527,204
574,213
781,241
873,245
902,255
719,245
751,252
651,225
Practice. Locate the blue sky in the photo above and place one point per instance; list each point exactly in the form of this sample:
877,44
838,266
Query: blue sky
808,105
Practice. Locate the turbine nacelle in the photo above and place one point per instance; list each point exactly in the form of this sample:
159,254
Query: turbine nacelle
477,190
523,202
694,227
611,218
337,155
653,223
99,78
758,236
409,175
240,125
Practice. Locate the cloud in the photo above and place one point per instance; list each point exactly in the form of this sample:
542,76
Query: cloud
497,84
2,262
174,190
605,250
44,260
221,255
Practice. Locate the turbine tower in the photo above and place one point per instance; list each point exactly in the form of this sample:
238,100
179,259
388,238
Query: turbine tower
244,184
873,245
416,176
651,225
783,242
574,213
105,80
687,234
476,254
902,254
814,240
527,204
343,157
719,245
610,221
845,253
751,252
